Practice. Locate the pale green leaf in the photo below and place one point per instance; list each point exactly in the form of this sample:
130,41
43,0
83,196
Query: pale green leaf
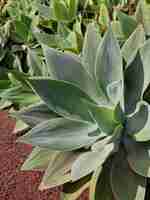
73,7
143,15
68,67
128,23
91,42
133,44
61,134
38,159
89,162
109,67
58,171
61,11
20,126
34,63
104,117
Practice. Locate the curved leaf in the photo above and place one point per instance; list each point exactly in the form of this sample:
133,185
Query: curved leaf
145,56
34,63
138,125
104,117
38,159
133,44
143,15
61,134
68,67
62,97
109,67
35,114
72,191
126,185
114,91
134,86
109,141
128,23
73,6
60,10
139,157
58,171
89,162
91,42
100,187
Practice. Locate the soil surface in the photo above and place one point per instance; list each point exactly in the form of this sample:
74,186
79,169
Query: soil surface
15,184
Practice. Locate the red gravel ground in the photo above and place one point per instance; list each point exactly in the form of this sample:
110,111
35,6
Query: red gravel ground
14,184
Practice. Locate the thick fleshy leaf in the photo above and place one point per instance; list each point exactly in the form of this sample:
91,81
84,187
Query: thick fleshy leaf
38,159
68,67
62,97
103,19
60,10
73,6
61,134
34,63
35,114
58,171
138,125
100,145
138,157
132,45
109,62
128,23
126,185
133,86
89,162
45,38
100,187
114,92
104,117
143,15
117,30
145,56
20,126
90,45
109,141
72,191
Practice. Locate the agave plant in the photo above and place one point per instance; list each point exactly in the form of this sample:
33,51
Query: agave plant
125,24
91,128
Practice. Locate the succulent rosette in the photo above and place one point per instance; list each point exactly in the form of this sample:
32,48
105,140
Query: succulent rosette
92,126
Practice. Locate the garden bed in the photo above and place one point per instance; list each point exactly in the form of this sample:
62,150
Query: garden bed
15,184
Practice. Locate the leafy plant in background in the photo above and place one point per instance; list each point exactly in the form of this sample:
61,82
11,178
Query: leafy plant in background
91,128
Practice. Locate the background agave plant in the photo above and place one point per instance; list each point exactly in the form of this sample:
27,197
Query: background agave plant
60,26
91,128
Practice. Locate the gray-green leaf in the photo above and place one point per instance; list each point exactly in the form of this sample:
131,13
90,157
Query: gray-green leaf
89,162
62,97
61,134
138,125
132,45
38,159
138,157
109,67
58,171
68,67
126,185
90,45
